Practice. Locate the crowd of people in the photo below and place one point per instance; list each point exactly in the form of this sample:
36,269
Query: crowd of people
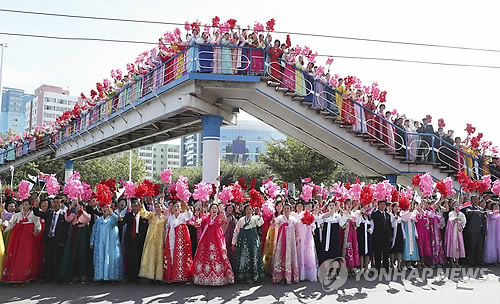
227,48
238,233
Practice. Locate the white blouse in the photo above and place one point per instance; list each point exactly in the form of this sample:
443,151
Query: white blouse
16,218
253,222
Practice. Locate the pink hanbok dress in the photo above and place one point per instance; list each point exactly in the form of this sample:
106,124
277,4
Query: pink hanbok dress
349,240
437,250
285,264
306,253
453,237
424,236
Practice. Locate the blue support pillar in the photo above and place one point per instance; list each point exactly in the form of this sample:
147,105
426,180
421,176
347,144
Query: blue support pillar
392,179
211,147
68,170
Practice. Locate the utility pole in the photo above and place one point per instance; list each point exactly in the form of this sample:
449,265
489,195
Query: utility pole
130,166
2,45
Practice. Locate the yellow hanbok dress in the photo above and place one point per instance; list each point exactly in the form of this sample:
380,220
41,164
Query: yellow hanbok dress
339,99
152,256
269,250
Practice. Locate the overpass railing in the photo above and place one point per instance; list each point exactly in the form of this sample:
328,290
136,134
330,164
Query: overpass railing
237,60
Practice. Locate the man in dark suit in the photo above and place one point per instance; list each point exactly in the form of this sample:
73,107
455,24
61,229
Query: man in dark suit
93,211
135,235
54,236
475,231
426,129
382,233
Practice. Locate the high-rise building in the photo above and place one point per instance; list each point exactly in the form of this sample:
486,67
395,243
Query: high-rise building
49,103
13,110
159,157
241,142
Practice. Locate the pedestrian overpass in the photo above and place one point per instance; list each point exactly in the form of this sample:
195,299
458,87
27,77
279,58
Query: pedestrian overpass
175,100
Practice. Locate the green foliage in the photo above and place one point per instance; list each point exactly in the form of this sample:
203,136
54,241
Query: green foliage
291,160
230,172
91,171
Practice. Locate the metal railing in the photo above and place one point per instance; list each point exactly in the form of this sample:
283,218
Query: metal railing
210,58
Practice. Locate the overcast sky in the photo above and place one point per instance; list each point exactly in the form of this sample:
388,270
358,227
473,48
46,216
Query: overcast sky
460,95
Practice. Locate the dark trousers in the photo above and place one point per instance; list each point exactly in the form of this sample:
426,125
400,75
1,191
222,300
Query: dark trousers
381,253
475,248
134,254
53,257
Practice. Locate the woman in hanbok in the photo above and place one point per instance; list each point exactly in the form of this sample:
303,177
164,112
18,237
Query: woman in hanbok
206,54
217,68
412,139
349,237
270,239
7,215
248,265
424,235
410,235
347,114
359,119
388,132
300,84
332,221
105,240
318,222
370,118
379,121
178,255
258,55
228,229
437,251
320,100
152,256
492,240
285,264
309,82
74,262
365,238
454,240
275,53
22,260
459,156
211,265
397,237
226,57
289,72
306,249
192,59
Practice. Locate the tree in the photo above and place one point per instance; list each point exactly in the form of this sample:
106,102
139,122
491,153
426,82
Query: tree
91,171
292,160
230,172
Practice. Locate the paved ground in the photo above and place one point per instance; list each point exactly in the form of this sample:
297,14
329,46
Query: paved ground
410,290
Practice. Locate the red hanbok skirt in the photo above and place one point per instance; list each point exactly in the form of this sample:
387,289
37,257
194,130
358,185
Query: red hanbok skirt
22,261
348,112
180,267
212,267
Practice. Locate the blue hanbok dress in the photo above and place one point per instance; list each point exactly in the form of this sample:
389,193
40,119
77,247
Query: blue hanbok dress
226,57
410,247
108,260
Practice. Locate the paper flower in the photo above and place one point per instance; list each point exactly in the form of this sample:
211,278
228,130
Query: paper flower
202,192
232,23
496,187
166,176
426,184
87,192
104,195
253,183
394,196
449,186
404,203
441,188
256,199
242,184
268,210
272,190
366,196
307,218
238,194
226,195
215,21
415,181
73,188
270,25
24,189
129,189
429,118
306,194
470,129
355,191
407,193
258,27
441,123
172,193
182,189
52,185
